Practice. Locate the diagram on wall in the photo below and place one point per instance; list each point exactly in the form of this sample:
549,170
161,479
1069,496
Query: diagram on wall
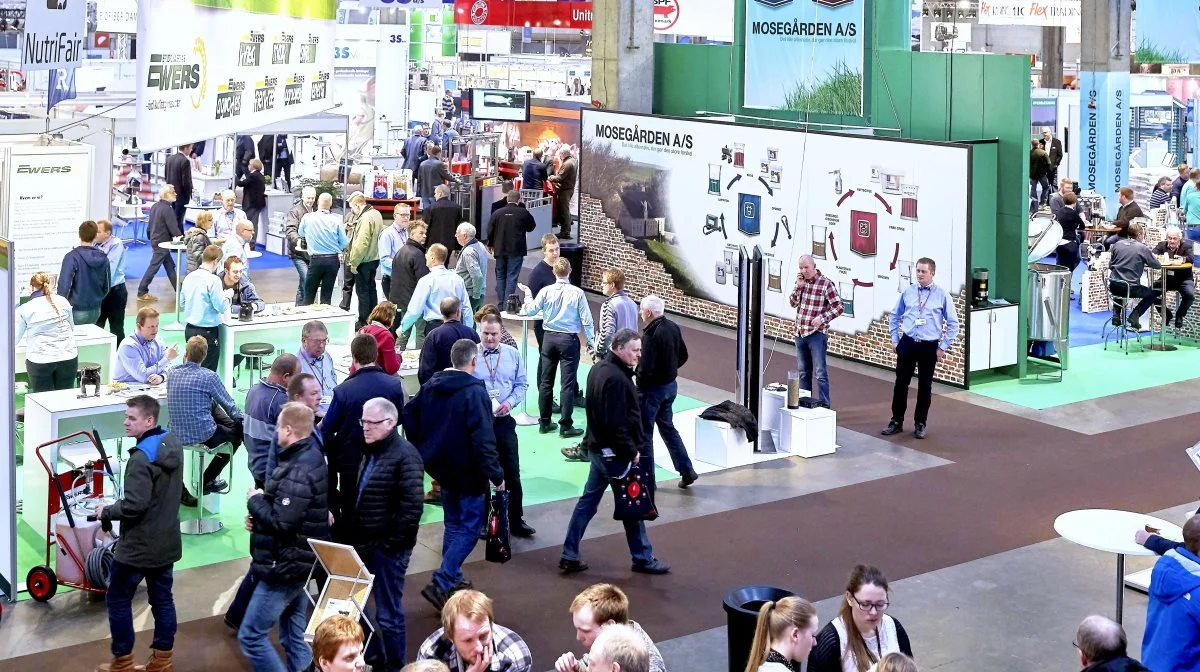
849,201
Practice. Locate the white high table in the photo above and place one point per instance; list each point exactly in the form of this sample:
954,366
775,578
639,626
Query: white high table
95,345
51,415
277,327
523,418
1112,531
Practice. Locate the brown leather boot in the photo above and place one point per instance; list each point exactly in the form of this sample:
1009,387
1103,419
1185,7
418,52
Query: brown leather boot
118,664
159,661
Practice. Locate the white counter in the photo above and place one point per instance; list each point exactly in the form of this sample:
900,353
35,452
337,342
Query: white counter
95,345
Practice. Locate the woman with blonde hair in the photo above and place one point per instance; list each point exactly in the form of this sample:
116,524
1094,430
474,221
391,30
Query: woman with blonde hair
784,635
46,323
378,327
896,662
862,633
197,239
337,646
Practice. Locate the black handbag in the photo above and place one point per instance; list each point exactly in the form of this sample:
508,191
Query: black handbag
498,546
633,495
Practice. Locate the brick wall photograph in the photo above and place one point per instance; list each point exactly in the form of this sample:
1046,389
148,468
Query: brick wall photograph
607,248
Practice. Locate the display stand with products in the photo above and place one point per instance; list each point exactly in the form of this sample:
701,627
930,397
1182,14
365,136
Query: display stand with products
476,163
347,586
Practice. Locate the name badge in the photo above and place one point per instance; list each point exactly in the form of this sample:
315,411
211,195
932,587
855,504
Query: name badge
920,322
494,394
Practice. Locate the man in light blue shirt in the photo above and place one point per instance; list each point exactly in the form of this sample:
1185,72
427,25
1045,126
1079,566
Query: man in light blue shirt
112,308
325,237
205,302
438,284
316,362
390,241
565,312
142,357
238,245
923,326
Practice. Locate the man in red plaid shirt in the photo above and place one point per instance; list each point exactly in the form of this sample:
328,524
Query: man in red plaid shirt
817,303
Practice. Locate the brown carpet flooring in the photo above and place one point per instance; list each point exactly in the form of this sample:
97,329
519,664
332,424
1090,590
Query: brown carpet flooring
1009,480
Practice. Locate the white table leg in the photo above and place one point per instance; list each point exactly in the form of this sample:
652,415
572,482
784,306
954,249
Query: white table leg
523,418
179,266
227,349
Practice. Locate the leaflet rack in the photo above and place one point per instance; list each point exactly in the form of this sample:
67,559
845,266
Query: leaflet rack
347,586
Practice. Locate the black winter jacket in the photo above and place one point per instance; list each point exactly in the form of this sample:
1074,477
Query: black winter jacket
254,191
614,415
340,430
450,422
149,508
293,508
161,223
1118,664
408,266
391,500
507,230
663,352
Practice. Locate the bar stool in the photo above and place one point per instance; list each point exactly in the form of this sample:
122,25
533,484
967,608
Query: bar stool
253,354
202,454
1119,304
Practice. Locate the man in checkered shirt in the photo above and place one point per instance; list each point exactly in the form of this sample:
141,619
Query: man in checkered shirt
817,304
469,641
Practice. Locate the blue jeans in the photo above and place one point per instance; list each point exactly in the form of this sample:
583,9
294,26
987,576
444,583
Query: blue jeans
463,517
426,202
122,585
287,605
657,402
810,361
508,272
585,509
301,270
389,646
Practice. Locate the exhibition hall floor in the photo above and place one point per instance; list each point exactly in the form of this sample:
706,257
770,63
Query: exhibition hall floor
962,523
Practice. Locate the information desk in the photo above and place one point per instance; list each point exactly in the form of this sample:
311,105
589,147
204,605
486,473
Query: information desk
95,345
280,325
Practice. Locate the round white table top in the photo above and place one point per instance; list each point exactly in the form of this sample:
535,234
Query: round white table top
253,254
211,206
173,246
520,318
1110,530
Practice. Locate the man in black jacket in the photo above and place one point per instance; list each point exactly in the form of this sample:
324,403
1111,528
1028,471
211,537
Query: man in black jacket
507,230
432,174
614,440
254,194
663,352
450,421
178,173
150,545
162,227
291,230
443,218
386,518
408,266
435,352
1178,281
291,509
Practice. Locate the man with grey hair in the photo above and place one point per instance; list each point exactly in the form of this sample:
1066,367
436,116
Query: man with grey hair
619,648
387,515
238,244
564,182
443,217
663,352
296,249
817,303
472,264
1102,647
431,174
1178,280
413,151
228,216
326,239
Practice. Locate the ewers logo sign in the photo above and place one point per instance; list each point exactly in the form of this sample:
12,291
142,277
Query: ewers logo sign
179,72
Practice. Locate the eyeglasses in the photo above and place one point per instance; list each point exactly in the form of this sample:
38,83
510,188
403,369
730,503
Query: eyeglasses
316,341
868,607
371,423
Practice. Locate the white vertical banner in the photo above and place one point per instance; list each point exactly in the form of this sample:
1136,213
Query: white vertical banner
391,81
54,32
8,453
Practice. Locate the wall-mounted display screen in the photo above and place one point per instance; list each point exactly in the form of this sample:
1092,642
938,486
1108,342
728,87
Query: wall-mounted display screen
499,105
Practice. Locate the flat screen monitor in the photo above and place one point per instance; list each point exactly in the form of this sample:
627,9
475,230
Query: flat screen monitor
499,105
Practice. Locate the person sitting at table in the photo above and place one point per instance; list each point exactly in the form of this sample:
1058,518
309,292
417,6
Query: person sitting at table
1130,258
1128,212
234,277
314,337
379,327
228,216
239,244
197,239
142,357
46,323
1181,281
1161,193
492,309
203,412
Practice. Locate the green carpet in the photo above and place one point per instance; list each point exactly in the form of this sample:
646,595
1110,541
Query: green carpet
1095,373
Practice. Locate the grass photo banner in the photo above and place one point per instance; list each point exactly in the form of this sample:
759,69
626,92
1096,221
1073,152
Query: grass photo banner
805,55
1167,31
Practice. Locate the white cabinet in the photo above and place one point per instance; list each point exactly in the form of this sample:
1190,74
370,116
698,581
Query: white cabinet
993,337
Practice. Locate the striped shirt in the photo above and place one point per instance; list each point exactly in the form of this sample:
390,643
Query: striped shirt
617,313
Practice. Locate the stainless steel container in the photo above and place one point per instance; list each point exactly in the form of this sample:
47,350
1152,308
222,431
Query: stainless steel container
1049,302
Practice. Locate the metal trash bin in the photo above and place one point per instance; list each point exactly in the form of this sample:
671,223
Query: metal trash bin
573,252
1049,304
741,608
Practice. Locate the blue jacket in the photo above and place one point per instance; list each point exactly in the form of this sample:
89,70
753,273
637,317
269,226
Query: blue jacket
450,422
85,277
1170,643
263,403
340,431
435,352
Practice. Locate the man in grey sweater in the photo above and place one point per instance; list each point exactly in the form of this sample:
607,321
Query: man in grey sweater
472,264
1130,257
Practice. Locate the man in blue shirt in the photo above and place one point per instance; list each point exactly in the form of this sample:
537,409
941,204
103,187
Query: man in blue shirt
203,412
326,239
438,284
390,241
449,135
314,337
84,277
112,308
923,327
205,302
142,357
565,312
263,403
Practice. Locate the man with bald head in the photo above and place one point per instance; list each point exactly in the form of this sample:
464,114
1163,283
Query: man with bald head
817,304
1101,645
1172,637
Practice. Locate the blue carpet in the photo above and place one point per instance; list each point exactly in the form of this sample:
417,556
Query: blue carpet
1083,328
137,258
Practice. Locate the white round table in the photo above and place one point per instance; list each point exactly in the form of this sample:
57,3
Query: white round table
180,264
523,418
1112,531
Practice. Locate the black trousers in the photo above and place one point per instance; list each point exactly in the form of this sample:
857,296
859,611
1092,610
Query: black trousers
386,283
112,310
253,214
1147,295
322,272
364,286
510,462
343,491
228,431
558,349
52,376
347,287
179,207
921,357
160,258
212,335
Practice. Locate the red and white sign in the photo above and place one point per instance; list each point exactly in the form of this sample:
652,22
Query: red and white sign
712,19
517,14
666,14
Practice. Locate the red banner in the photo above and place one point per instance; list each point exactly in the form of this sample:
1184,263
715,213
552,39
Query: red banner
523,14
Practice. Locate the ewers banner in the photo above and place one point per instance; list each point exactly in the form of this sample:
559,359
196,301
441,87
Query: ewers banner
205,71
805,55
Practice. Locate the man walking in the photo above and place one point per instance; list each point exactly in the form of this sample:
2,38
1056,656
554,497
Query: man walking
112,308
663,352
472,264
503,374
440,340
507,229
923,325
322,231
450,421
817,304
362,255
264,401
178,173
440,283
162,226
443,217
408,267
614,441
617,312
205,301
431,175
150,545
282,516
83,279
291,230
387,515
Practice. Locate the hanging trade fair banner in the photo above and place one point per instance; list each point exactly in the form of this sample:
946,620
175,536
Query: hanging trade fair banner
116,16
54,32
1104,148
205,71
1031,12
805,55
61,87
1168,31
388,4
712,19
677,199
518,13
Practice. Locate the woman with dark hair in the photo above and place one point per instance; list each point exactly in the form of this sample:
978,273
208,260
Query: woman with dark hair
783,636
491,309
862,633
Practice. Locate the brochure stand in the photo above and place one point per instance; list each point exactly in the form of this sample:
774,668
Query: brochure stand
347,586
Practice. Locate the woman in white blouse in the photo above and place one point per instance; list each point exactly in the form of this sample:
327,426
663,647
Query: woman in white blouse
45,321
862,633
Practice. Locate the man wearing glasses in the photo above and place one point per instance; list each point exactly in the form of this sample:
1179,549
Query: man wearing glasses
316,362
